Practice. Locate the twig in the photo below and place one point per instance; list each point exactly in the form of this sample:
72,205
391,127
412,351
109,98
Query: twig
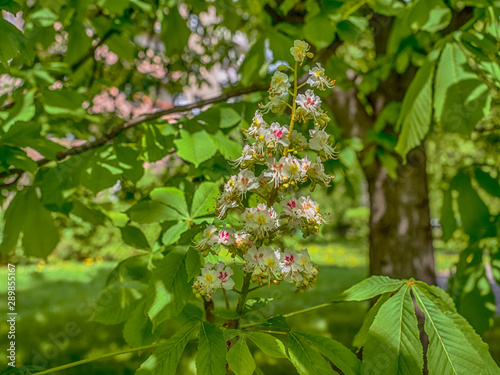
116,130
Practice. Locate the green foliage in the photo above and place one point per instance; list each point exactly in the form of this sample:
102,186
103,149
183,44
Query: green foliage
211,356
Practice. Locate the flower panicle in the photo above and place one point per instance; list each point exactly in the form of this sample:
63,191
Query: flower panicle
275,161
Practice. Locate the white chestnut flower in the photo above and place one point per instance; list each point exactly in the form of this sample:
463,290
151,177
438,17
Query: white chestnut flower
318,79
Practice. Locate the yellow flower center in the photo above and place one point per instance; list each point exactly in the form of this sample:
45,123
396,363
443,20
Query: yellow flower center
209,277
270,262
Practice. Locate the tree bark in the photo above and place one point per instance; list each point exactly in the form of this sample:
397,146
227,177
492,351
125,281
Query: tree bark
400,228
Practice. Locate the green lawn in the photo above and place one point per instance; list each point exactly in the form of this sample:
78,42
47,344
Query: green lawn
55,302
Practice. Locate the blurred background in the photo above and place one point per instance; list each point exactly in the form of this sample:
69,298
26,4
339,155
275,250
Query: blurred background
415,117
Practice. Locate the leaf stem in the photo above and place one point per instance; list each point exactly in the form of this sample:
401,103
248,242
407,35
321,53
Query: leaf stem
88,360
307,310
225,298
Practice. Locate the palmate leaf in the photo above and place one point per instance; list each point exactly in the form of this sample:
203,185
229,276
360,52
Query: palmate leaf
393,344
449,352
168,288
360,338
268,344
305,358
211,357
445,303
369,288
165,359
240,358
342,357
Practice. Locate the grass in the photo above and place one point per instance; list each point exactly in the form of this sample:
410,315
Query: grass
54,303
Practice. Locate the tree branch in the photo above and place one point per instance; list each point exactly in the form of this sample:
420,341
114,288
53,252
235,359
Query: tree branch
116,130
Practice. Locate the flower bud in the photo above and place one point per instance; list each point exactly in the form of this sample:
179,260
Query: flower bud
282,67
310,55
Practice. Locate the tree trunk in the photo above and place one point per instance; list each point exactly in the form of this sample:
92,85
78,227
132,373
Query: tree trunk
400,228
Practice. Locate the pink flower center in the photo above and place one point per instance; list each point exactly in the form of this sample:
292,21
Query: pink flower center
223,275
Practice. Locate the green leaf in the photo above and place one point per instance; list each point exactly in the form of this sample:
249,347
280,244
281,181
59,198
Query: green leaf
87,214
487,183
78,42
211,356
134,268
195,148
175,33
305,358
204,199
394,333
99,175
171,197
448,352
14,43
40,235
228,117
474,213
369,288
240,359
445,303
138,330
168,289
174,232
13,222
165,359
227,147
268,344
448,220
43,17
147,212
471,290
117,302
225,314
461,99
253,61
429,15
360,338
23,110
193,263
341,357
134,237
319,31
416,111
64,102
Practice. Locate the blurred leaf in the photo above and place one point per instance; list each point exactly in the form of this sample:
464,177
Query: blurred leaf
23,110
448,220
416,111
168,289
64,102
193,263
14,43
319,31
40,234
175,33
134,237
429,15
117,302
488,183
147,212
253,61
461,99
211,356
474,214
165,359
138,330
